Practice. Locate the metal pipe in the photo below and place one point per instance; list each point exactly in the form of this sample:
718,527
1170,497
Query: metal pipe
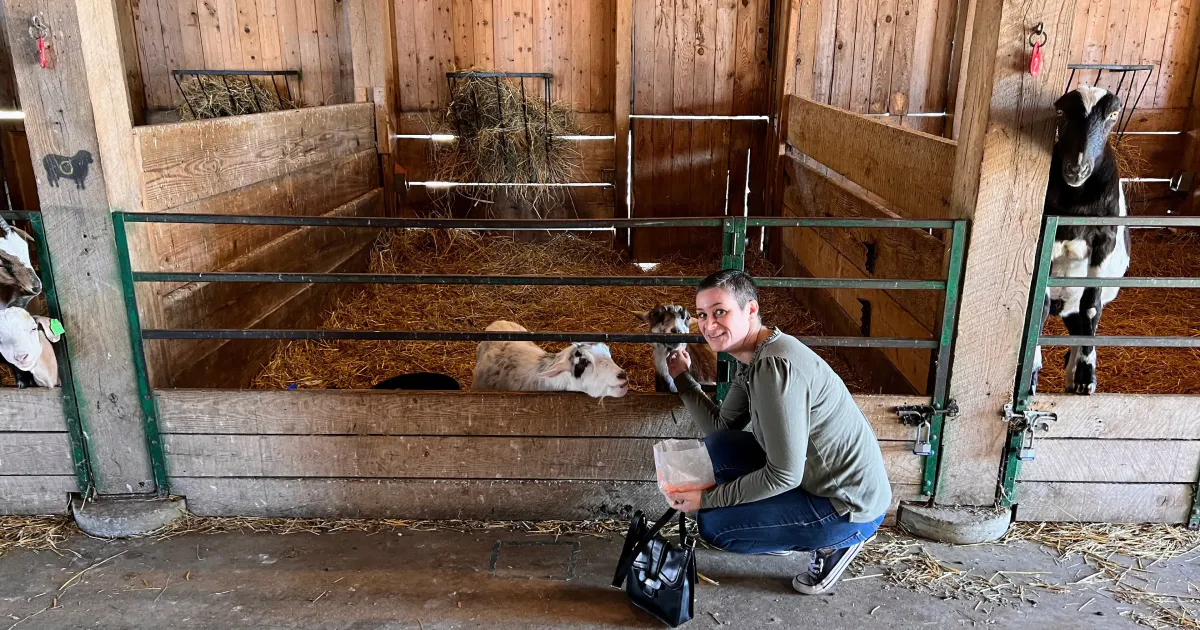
1118,341
1156,283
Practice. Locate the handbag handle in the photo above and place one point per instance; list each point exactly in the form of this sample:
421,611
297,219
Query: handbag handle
628,556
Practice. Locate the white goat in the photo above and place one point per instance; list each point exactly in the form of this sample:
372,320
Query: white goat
522,366
25,342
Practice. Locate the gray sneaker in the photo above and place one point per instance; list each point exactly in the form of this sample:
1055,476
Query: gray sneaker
824,570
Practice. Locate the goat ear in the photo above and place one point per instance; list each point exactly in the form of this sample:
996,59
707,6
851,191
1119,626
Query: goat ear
642,315
47,328
562,364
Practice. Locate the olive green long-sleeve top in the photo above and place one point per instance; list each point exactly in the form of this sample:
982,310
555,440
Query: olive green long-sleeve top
814,435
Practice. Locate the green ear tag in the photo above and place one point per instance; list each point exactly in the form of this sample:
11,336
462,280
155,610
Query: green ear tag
56,327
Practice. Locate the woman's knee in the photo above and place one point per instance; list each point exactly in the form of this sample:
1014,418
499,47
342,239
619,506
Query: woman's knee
709,531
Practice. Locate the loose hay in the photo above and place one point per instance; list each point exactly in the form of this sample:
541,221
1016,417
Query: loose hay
209,96
504,136
1143,312
34,533
361,364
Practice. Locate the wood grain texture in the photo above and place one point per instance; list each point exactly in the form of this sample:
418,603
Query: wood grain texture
1128,416
189,161
493,500
30,453
31,409
910,169
843,56
902,60
1113,461
40,495
59,119
1004,153
885,42
623,93
1104,502
440,457
467,413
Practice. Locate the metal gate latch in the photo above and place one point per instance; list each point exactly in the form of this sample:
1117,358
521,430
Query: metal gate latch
1028,423
921,416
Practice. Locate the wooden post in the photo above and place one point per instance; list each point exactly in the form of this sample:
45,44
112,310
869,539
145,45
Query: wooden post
373,52
1191,155
86,67
622,95
1003,164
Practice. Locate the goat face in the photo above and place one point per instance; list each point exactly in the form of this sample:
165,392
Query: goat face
20,344
590,369
669,319
1086,116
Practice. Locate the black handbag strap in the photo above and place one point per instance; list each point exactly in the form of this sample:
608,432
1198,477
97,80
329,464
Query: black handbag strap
628,555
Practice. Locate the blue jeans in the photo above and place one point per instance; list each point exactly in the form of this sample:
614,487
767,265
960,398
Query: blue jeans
792,521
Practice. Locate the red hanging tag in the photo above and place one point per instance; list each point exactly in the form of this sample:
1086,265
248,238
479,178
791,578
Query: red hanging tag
42,57
1035,62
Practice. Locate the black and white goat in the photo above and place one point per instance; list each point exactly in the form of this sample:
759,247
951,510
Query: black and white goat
673,318
523,366
18,285
1084,182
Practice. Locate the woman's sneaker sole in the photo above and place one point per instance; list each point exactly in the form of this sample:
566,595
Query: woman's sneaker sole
834,575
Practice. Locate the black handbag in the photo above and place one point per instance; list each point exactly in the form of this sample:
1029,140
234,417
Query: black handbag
659,576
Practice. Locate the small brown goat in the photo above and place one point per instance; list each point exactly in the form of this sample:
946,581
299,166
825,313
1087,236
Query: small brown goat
673,318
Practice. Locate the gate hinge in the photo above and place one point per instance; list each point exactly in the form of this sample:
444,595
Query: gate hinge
921,417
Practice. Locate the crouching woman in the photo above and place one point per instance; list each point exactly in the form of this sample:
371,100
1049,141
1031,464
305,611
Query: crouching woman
797,464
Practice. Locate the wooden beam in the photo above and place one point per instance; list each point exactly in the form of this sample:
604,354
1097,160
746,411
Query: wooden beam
1159,416
32,453
337,412
1115,461
1191,154
623,101
38,495
184,162
60,120
1104,502
438,499
1007,131
32,409
910,169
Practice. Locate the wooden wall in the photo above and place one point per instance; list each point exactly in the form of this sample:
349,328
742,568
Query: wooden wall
36,472
307,35
408,455
310,162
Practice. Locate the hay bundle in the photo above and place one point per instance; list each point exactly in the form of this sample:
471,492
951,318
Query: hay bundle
361,364
210,96
506,137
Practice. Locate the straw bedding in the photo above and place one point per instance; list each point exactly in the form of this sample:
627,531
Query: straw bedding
1136,312
209,96
361,364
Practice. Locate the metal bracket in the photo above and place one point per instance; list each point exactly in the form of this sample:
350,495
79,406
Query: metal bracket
921,417
1027,423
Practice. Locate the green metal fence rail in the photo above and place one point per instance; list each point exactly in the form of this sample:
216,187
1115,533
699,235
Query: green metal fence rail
1033,337
733,257
72,411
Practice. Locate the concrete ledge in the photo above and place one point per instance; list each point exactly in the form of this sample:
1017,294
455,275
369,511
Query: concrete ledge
125,517
954,525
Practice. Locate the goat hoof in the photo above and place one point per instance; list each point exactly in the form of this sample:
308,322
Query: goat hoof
1082,389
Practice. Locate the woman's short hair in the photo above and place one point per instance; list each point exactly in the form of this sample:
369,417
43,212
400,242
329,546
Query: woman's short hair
737,283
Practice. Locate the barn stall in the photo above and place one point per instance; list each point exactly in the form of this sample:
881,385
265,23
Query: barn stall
705,110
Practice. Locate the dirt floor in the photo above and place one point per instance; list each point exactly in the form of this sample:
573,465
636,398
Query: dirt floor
503,578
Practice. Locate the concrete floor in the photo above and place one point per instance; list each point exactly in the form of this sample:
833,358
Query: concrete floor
501,579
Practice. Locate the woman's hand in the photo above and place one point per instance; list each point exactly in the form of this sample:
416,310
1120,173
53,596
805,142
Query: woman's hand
685,501
678,362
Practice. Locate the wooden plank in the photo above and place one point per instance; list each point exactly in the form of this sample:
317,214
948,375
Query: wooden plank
1175,53
37,495
603,59
864,57
1158,156
172,36
463,34
622,100
1122,416
32,409
249,42
1104,502
902,60
580,87
544,36
329,47
210,34
230,40
308,192
1115,461
1159,119
152,53
911,169
438,457
443,50
1135,32
823,59
189,161
35,454
492,500
843,56
1152,51
312,90
1114,38
924,23
337,412
999,183
707,177
59,119
502,19
907,253
268,35
885,40
425,40
289,38
483,33
563,71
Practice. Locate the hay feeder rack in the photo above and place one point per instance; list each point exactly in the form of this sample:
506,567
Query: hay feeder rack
452,79
273,75
1122,71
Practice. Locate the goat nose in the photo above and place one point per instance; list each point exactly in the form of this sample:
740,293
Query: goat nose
22,358
621,375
